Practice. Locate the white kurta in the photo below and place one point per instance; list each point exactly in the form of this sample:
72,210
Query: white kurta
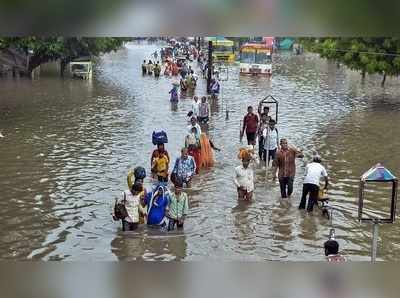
244,178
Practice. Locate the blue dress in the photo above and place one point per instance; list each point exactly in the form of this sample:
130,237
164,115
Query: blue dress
174,94
156,213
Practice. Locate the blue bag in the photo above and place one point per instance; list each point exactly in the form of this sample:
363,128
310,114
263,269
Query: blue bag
159,137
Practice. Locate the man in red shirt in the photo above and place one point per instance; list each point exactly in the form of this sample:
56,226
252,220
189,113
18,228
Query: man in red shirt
250,126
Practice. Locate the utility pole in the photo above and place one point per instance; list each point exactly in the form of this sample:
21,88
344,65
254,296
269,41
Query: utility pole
198,43
210,66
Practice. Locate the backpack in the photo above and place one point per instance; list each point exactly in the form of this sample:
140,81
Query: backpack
159,137
120,209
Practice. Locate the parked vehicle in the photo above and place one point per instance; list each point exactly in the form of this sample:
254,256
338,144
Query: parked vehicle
81,69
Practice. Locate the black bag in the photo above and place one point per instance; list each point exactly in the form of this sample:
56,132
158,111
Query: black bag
120,209
139,173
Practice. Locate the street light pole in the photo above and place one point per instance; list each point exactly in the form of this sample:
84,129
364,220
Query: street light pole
210,65
374,240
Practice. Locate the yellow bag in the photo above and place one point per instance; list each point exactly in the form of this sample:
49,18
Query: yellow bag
322,194
130,179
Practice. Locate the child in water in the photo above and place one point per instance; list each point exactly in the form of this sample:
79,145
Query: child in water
160,166
174,93
191,140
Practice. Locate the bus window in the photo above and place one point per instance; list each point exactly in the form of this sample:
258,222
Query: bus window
263,58
222,48
247,57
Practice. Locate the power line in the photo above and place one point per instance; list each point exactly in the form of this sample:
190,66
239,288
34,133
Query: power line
363,52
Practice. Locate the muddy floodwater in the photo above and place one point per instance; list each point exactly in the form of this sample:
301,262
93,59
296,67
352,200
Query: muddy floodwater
68,145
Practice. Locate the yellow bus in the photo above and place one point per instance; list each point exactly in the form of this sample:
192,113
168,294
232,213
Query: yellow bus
223,49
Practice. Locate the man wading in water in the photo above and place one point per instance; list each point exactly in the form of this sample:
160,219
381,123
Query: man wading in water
184,168
130,199
178,207
285,162
260,132
271,141
314,172
244,179
204,111
250,125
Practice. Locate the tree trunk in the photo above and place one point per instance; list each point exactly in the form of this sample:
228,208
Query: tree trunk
363,74
383,80
63,65
34,62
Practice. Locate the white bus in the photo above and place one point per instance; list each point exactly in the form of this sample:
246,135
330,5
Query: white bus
256,59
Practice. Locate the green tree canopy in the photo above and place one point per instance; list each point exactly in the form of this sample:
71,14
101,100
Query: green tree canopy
367,55
66,49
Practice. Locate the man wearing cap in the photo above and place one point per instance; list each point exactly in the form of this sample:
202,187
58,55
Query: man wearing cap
313,174
244,179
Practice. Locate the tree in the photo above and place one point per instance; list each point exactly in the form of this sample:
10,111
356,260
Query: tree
65,49
367,55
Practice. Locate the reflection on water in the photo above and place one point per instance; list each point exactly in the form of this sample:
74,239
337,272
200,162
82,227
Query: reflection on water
68,144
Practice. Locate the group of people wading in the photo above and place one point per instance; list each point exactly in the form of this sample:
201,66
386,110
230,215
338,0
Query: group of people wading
283,157
271,147
168,209
160,207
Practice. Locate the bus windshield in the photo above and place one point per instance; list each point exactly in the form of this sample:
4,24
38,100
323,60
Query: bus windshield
263,58
223,48
247,57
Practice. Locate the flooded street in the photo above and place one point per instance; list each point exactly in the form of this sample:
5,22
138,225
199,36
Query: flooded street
68,145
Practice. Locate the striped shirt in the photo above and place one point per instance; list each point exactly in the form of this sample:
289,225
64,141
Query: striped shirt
178,206
285,160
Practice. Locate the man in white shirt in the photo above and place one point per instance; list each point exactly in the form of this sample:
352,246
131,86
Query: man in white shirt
193,123
314,172
204,111
271,140
244,179
195,106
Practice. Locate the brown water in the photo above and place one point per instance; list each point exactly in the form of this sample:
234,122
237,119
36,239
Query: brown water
68,145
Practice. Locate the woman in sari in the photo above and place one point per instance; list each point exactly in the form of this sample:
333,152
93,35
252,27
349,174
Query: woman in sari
206,152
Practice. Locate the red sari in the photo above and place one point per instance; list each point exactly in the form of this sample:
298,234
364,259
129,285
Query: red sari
195,153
